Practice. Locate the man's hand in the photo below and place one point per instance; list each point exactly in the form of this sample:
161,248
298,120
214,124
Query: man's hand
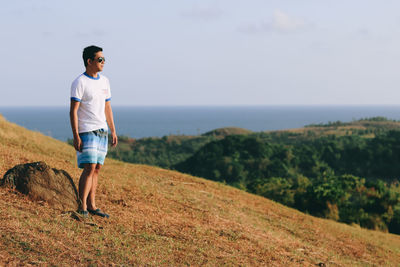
114,141
110,122
78,143
73,115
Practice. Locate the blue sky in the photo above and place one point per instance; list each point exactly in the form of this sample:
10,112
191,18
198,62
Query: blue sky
188,52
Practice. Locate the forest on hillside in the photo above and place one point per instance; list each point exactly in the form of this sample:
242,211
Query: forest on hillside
348,172
348,179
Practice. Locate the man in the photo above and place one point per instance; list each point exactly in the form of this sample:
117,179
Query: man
90,112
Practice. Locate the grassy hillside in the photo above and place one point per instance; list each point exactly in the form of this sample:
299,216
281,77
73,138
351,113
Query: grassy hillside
162,217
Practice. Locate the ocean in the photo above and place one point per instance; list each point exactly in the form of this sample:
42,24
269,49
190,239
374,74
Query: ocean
139,122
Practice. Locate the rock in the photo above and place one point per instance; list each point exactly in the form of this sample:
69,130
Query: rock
41,182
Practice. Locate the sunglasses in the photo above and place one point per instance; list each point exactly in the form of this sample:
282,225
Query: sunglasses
101,60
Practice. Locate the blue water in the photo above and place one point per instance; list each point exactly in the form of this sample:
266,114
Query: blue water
141,122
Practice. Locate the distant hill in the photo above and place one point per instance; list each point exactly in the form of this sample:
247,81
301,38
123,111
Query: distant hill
168,151
367,127
227,131
161,217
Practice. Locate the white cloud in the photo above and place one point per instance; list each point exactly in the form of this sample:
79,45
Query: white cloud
284,23
280,22
202,13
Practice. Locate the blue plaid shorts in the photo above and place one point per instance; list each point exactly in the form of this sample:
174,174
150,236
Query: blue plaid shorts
94,147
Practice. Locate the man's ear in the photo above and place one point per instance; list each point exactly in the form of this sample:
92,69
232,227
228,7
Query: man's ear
88,61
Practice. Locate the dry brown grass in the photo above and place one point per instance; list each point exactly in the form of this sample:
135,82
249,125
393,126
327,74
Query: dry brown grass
161,217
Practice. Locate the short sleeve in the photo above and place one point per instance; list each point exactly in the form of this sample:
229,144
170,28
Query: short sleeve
108,96
76,91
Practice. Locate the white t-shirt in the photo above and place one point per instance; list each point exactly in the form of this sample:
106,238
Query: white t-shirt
92,93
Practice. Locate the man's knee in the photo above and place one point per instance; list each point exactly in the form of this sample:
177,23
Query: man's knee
98,167
89,167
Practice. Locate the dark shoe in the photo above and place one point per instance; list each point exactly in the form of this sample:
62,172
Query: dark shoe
98,212
83,213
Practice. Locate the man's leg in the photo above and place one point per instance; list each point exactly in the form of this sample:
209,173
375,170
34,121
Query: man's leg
85,183
91,204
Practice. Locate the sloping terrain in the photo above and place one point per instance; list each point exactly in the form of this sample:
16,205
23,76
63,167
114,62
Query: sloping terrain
363,127
227,131
161,217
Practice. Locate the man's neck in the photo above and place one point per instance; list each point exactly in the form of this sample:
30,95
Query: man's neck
92,73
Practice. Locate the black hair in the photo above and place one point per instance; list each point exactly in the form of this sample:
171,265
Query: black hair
90,52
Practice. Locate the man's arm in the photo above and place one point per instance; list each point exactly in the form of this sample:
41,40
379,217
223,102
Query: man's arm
73,116
110,122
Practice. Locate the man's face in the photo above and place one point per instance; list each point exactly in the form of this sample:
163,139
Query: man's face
98,62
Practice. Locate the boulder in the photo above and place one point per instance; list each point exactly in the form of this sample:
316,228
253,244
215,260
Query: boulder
41,182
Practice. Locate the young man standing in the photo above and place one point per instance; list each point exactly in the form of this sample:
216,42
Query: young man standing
90,112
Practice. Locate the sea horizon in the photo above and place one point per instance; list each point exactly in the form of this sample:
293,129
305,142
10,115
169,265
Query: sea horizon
222,105
158,121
